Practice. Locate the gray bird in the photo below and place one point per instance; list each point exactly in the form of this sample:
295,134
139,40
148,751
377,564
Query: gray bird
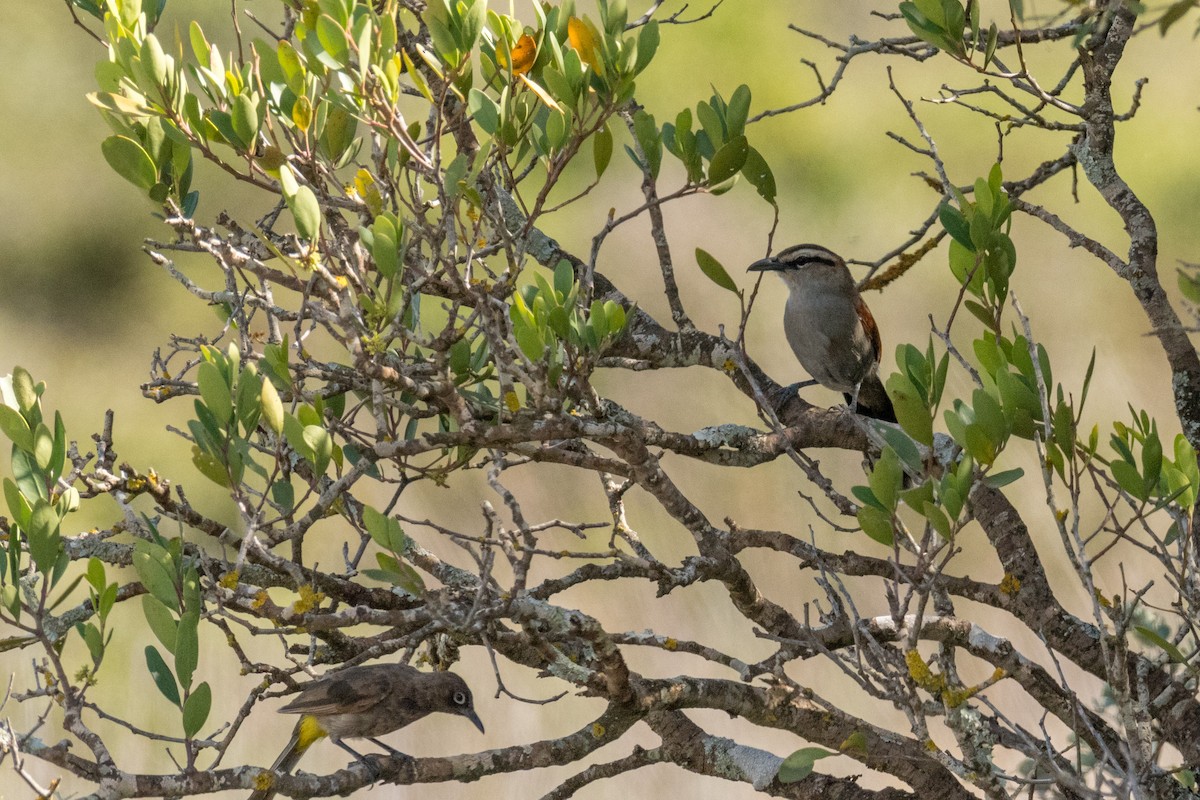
366,702
829,327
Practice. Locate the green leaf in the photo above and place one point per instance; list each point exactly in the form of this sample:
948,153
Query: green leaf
384,531
385,247
187,647
28,479
307,213
25,393
16,428
398,573
990,416
1152,456
865,496
156,571
914,416
993,38
283,494
484,110
272,406
602,150
647,46
210,468
58,455
200,45
338,136
92,638
215,392
161,621
955,224
728,161
938,519
195,710
759,174
564,277
648,136
161,674
876,524
737,111
1175,12
18,505
1153,637
333,41
130,160
715,272
44,537
321,445
1128,479
999,479
245,118
799,765
886,478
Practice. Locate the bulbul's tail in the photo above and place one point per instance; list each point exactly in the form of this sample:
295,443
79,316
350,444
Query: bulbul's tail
307,731
873,401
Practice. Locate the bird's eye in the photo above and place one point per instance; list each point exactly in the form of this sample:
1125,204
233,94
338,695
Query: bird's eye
460,699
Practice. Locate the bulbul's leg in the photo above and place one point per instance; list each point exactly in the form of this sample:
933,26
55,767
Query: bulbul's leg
359,757
391,750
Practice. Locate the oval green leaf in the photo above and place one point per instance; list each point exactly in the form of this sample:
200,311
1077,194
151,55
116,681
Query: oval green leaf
715,272
161,674
195,710
130,160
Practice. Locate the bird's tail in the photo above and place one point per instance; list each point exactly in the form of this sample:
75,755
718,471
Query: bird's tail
307,731
873,401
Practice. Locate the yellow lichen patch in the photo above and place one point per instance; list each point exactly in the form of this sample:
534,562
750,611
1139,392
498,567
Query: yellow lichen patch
918,670
229,580
598,730
1010,585
1101,599
854,744
263,781
308,600
953,698
260,600
670,644
729,366
512,402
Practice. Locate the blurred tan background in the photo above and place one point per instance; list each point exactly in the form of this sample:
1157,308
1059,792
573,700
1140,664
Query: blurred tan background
83,309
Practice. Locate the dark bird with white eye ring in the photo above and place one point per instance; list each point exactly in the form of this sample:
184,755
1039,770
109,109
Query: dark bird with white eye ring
366,702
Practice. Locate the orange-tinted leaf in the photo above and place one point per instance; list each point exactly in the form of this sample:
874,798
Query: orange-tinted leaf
582,35
524,53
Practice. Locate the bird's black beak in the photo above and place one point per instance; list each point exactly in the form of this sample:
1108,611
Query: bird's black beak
470,714
765,265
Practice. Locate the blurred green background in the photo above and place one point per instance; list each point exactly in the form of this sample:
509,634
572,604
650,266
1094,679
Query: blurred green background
83,308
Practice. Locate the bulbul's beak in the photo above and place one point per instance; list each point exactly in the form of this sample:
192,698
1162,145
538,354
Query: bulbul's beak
765,265
471,715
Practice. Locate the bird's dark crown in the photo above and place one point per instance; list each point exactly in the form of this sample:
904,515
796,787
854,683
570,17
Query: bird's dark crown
798,256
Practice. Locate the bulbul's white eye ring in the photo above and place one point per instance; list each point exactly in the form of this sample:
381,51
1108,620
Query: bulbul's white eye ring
460,698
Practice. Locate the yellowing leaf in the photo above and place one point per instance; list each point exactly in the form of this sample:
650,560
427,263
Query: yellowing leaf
542,94
582,35
524,53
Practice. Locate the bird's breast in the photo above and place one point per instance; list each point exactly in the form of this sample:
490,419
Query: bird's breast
827,338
